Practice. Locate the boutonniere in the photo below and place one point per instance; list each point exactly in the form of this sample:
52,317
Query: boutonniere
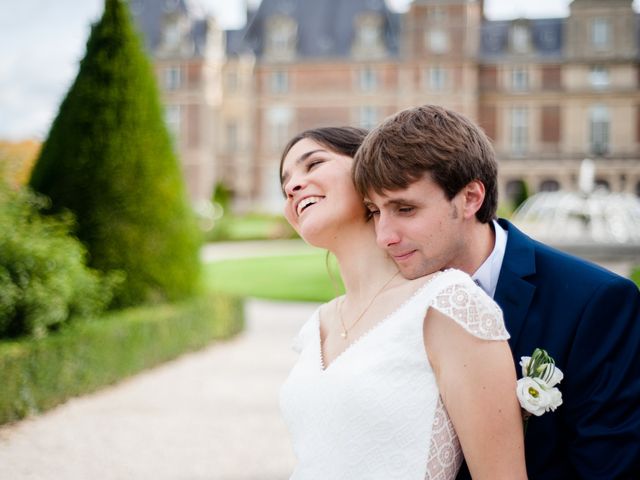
536,390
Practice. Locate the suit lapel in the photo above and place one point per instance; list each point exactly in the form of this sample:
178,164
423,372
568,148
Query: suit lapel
514,292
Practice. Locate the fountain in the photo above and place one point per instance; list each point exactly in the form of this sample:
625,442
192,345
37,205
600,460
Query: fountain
593,223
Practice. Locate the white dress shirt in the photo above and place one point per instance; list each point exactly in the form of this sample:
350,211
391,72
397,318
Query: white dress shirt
487,275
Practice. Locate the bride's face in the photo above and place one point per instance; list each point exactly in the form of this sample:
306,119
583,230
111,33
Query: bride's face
320,196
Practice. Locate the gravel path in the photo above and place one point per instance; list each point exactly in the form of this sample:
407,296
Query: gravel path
209,415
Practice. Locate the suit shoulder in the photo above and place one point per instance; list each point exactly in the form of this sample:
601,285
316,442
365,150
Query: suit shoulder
567,266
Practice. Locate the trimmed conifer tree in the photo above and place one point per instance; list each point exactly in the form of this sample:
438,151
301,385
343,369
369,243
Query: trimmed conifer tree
109,160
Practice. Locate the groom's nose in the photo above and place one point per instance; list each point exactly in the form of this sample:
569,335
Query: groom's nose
386,233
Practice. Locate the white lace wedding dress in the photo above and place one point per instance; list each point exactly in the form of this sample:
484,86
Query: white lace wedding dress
375,412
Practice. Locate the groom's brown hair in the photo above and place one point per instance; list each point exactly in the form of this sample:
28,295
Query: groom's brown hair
428,139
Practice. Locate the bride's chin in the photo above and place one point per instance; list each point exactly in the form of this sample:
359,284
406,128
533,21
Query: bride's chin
315,236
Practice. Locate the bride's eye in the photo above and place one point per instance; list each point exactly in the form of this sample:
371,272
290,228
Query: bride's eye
313,163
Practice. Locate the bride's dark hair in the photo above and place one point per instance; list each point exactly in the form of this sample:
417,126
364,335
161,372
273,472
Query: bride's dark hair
342,140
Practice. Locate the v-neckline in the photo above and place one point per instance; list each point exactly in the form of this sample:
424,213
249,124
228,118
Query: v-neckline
326,367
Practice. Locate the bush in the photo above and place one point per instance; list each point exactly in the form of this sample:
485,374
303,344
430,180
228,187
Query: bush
44,281
109,160
39,374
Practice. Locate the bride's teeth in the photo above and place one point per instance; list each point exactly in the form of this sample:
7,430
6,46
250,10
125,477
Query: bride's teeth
306,202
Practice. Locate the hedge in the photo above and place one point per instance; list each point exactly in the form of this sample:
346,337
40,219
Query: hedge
37,375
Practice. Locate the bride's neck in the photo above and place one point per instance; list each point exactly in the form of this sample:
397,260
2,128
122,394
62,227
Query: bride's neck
363,265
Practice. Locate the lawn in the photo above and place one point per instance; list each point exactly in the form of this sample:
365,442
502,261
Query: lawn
294,277
250,227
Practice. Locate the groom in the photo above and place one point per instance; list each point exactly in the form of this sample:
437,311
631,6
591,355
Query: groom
429,176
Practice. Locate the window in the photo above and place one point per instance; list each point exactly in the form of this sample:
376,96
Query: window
173,119
488,77
599,124
516,191
368,117
278,121
549,186
599,77
519,79
232,82
172,78
369,30
600,33
551,77
279,81
438,40
437,78
602,184
281,37
367,79
520,38
438,14
232,137
519,130
548,38
551,127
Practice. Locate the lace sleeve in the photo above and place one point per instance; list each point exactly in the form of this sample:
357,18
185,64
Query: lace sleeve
473,310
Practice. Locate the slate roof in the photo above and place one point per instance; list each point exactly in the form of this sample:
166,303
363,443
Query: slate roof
148,16
325,28
547,37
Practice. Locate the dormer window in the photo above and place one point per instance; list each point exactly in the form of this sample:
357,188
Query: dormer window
437,40
176,38
438,14
548,39
368,41
520,39
281,37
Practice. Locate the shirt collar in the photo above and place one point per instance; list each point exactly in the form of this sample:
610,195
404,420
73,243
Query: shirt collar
487,275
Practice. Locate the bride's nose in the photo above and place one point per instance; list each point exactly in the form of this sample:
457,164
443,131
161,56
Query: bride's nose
293,185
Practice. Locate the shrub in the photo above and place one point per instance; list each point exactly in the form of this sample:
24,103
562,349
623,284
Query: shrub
44,281
109,160
39,374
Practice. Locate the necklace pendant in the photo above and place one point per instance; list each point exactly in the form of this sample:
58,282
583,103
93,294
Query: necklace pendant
344,334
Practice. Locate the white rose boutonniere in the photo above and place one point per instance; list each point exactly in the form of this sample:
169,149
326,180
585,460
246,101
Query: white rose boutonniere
536,390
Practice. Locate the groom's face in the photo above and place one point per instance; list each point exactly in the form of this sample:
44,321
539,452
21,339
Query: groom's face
419,227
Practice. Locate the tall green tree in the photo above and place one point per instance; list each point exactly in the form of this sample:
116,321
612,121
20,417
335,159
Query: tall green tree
109,159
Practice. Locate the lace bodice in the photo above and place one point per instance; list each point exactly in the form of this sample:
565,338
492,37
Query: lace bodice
375,412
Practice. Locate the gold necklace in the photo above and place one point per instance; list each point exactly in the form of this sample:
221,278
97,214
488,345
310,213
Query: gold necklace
345,330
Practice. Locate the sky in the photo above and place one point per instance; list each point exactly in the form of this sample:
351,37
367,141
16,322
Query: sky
43,41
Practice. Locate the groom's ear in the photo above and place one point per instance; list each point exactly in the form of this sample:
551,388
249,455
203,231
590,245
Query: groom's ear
473,197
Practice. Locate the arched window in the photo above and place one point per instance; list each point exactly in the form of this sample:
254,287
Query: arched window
602,184
549,185
516,191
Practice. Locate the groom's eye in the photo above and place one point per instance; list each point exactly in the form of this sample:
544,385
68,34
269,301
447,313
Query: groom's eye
371,211
405,209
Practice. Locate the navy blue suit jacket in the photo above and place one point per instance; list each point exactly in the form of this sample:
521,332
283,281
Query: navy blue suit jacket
588,319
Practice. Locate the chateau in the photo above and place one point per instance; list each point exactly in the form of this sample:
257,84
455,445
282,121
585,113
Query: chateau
548,92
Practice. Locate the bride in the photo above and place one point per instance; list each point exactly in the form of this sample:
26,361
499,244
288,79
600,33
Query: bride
397,379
